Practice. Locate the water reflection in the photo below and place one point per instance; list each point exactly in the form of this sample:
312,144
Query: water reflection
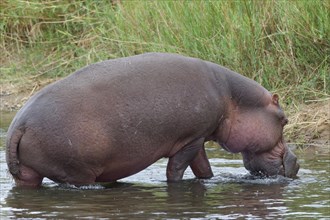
231,194
191,198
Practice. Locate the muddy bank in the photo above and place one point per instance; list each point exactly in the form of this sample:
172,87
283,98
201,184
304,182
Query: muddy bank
310,124
14,95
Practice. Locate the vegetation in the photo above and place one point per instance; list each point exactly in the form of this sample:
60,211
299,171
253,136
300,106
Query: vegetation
284,45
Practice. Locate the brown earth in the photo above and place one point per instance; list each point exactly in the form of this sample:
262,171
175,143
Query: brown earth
13,96
309,123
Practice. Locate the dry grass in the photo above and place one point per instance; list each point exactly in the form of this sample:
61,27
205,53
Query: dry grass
309,124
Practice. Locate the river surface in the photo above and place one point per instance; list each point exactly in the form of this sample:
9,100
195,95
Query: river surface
231,194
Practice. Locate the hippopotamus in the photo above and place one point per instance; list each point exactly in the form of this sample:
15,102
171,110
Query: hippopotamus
114,118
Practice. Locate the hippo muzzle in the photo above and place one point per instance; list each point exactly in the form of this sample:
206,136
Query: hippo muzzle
278,161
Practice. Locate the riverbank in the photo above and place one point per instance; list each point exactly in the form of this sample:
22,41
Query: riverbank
309,122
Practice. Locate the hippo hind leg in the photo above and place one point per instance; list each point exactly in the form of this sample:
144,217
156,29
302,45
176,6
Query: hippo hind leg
27,177
192,154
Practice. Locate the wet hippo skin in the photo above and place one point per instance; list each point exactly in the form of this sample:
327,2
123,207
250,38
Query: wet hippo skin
114,118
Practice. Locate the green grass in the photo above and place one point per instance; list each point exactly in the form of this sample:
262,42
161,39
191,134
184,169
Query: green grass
284,45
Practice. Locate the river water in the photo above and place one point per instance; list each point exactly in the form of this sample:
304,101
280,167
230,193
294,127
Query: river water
231,194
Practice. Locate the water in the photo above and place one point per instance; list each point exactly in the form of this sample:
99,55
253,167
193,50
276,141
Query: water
231,194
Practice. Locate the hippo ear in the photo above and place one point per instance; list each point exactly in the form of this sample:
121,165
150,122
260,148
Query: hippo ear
275,99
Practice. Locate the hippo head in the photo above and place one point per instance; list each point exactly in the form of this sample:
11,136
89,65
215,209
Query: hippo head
256,130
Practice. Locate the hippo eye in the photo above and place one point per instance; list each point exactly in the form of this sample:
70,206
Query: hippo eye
283,120
281,117
286,121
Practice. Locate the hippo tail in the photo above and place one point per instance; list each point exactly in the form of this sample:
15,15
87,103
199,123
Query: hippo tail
12,151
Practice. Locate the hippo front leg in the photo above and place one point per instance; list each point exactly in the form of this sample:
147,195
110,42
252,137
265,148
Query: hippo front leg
201,166
179,162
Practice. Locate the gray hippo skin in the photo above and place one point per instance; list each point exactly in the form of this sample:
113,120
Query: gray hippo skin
114,118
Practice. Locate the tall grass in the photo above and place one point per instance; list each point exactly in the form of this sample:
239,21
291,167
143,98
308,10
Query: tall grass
284,45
